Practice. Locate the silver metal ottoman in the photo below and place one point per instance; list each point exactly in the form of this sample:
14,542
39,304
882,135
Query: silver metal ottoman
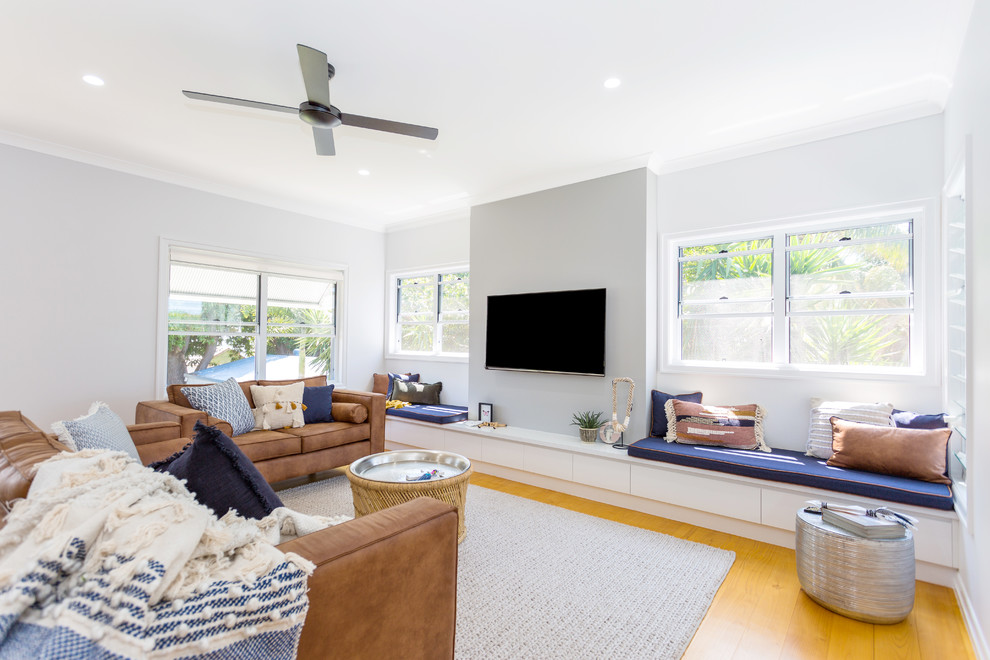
864,579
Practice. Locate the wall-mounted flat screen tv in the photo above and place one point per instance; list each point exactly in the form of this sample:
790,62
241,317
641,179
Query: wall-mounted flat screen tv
554,332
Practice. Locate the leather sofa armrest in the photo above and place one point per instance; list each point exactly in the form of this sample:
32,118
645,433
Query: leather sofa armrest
166,411
388,576
155,441
375,403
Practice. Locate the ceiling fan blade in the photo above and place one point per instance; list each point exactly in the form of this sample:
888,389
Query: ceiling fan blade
412,130
323,137
199,96
316,74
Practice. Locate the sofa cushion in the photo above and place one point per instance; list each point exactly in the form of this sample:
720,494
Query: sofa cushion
416,392
22,447
659,422
324,436
310,381
382,383
318,404
225,401
355,413
906,419
262,445
220,476
737,427
820,430
100,428
176,396
913,453
278,406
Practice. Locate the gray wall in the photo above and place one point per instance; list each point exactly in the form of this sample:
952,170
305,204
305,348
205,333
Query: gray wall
593,234
79,279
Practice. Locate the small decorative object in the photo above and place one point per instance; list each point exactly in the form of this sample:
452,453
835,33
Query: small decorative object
611,432
485,412
491,425
588,423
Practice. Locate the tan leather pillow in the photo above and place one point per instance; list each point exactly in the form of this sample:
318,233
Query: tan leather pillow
355,413
914,453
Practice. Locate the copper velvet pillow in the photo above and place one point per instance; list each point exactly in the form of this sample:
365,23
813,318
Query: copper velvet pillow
736,427
913,453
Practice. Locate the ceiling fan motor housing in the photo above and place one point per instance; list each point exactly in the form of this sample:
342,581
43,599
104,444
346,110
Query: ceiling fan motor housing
319,115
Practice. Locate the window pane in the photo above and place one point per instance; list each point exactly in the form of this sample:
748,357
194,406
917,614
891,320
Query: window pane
736,246
454,297
844,303
301,327
885,230
454,337
727,307
851,339
418,303
747,339
196,359
413,337
198,283
299,357
858,268
743,277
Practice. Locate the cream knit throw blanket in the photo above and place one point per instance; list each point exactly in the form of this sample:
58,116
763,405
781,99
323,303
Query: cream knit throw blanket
108,558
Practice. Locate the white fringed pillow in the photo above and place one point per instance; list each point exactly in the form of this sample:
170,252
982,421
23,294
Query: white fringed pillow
278,406
822,410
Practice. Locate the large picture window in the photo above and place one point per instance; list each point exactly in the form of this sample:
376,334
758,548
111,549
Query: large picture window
836,296
431,313
248,322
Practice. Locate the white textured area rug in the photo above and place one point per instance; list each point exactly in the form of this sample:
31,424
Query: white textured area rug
538,581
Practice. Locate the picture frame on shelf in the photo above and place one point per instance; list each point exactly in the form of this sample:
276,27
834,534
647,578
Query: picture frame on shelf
486,412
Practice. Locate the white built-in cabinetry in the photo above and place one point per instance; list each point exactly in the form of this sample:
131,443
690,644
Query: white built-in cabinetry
754,508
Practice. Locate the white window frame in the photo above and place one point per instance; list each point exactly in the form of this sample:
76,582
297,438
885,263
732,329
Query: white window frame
924,368
959,185
391,315
211,256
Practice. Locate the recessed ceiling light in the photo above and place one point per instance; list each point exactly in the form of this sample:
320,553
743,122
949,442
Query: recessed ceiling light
612,83
95,81
364,172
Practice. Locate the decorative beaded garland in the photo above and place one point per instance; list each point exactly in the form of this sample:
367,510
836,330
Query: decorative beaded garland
610,432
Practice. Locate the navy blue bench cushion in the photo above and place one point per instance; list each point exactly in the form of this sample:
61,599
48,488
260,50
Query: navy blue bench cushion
435,414
795,468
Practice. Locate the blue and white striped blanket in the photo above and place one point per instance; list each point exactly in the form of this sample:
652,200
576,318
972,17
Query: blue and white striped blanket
106,559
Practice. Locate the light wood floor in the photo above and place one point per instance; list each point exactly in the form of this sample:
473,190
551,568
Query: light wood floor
760,611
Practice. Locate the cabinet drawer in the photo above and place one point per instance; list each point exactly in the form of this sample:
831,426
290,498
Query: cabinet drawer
551,462
695,492
464,444
415,435
503,452
601,473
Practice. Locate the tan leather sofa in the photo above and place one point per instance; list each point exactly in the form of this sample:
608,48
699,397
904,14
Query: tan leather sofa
385,585
358,430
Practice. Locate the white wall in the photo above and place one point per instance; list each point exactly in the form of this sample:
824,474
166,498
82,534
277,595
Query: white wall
968,114
890,164
428,246
79,279
592,234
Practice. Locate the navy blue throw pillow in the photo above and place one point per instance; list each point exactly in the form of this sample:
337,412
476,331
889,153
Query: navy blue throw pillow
220,476
319,404
658,427
911,420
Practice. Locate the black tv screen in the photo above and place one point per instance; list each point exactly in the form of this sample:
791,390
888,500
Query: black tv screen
556,331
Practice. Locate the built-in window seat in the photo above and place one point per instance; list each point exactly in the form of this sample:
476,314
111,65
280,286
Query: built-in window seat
737,503
795,468
434,414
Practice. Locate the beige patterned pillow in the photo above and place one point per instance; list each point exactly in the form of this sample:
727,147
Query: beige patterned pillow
278,406
822,410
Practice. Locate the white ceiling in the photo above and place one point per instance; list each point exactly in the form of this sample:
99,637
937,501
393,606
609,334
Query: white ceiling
514,86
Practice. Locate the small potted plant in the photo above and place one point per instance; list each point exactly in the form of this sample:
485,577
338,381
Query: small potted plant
588,423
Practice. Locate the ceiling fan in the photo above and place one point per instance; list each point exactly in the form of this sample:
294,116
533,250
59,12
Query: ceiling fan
316,109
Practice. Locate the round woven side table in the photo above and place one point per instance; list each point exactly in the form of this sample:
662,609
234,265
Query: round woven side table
378,481
869,580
